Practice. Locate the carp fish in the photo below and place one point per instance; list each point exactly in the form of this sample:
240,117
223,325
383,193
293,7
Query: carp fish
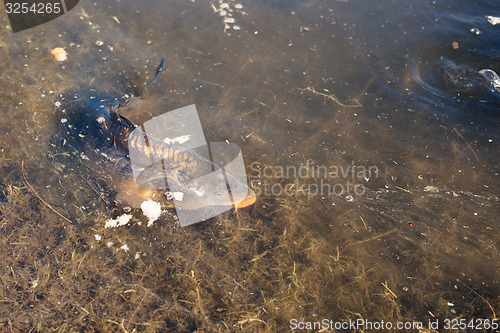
93,123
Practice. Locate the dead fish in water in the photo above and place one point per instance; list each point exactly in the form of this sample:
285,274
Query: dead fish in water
94,125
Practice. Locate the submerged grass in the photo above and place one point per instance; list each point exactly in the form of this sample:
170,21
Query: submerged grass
252,270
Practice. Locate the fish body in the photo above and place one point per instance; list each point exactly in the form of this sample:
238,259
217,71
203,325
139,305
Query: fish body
94,120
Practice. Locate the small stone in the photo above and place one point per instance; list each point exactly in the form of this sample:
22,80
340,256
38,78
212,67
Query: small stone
59,53
431,189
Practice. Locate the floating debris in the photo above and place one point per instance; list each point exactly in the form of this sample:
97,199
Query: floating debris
152,210
178,140
493,20
118,222
431,189
226,10
174,196
59,53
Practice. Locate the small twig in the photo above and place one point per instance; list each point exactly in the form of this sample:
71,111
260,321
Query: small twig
491,308
363,222
377,237
332,97
491,245
460,135
135,311
386,287
36,195
403,189
98,193
123,326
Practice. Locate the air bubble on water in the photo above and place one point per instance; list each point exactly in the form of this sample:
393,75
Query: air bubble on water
475,31
492,78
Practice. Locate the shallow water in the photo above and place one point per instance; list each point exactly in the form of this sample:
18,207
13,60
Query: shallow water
310,91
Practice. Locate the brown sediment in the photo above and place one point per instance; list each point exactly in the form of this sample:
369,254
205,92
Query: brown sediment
237,271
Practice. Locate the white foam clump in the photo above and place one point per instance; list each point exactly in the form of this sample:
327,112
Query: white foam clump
178,196
180,139
118,222
152,210
493,20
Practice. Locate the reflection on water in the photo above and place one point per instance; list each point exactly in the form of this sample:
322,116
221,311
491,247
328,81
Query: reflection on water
319,88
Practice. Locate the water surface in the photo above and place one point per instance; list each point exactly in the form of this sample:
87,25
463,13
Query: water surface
298,85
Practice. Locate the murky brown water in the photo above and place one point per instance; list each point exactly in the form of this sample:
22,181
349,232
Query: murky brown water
310,87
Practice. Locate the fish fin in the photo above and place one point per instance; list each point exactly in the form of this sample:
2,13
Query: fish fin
159,69
131,194
126,120
116,116
112,111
